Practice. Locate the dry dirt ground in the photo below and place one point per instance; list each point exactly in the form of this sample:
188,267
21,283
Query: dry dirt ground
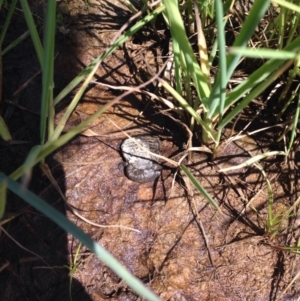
164,232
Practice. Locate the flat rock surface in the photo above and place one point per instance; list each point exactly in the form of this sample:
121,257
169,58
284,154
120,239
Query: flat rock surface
164,231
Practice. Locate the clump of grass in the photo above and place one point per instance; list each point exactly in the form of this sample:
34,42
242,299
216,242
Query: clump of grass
213,106
209,108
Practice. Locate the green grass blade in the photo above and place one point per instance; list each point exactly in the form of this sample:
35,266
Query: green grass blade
7,20
199,187
90,71
47,108
289,5
33,32
16,42
29,163
294,28
122,39
178,77
52,145
295,249
221,76
178,33
221,81
256,91
295,123
4,132
256,79
187,107
271,220
74,83
257,11
73,104
71,228
264,53
281,27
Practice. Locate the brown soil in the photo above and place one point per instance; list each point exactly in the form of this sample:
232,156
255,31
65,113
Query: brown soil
184,249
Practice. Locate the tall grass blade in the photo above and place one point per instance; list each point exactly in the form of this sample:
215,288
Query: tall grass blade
179,35
52,145
47,109
4,132
90,71
257,90
257,11
16,42
221,79
73,104
289,5
7,20
33,31
29,163
295,123
199,187
270,70
122,39
264,53
270,222
221,76
186,106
